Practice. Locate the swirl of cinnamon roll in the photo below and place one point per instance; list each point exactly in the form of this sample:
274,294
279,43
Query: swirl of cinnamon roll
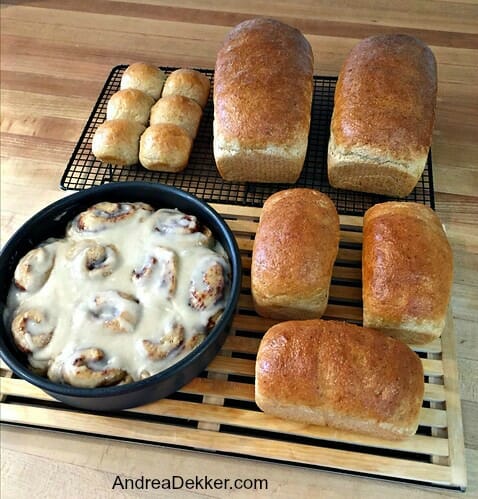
171,222
158,273
172,339
34,269
103,215
207,284
93,259
116,311
86,368
32,330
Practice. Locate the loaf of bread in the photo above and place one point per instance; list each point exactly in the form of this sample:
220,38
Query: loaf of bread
294,251
117,142
340,375
383,117
177,110
165,147
145,77
129,104
407,271
263,86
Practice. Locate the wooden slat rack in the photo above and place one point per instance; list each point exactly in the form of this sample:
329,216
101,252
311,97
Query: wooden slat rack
216,411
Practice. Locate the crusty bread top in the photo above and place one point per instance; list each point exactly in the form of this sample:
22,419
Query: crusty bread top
385,97
407,264
341,368
295,245
263,84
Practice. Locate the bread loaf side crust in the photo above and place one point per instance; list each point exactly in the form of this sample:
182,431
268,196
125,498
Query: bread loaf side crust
294,251
263,87
340,375
407,271
384,112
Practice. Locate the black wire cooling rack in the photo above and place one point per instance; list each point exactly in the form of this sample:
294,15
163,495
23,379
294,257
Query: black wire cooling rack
201,177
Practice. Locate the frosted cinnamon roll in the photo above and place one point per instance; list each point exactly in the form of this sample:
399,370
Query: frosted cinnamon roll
207,284
171,340
158,273
103,215
92,259
34,268
173,223
86,368
115,311
32,330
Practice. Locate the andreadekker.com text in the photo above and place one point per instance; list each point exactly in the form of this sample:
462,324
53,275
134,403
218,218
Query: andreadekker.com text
177,482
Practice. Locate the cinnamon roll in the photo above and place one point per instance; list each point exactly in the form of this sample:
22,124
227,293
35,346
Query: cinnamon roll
85,369
34,268
103,215
172,339
158,273
173,223
116,311
92,259
32,330
207,284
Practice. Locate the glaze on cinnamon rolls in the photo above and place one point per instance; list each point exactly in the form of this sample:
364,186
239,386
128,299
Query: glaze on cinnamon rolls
125,294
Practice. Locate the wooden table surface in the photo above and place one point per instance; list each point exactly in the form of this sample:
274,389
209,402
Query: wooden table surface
55,56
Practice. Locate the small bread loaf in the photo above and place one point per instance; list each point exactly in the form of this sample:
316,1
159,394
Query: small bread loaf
129,104
340,375
165,148
263,86
117,142
177,110
407,271
384,112
145,77
189,83
293,255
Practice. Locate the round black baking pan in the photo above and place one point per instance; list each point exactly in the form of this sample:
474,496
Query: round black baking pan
52,222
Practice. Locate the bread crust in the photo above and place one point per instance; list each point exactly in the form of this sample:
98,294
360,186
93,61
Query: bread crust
145,77
262,102
340,375
294,251
189,83
407,271
384,112
129,104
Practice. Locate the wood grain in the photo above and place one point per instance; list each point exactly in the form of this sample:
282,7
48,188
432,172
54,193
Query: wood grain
55,56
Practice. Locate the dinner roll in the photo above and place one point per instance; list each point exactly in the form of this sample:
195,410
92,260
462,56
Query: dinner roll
145,77
177,110
129,104
189,83
117,142
165,147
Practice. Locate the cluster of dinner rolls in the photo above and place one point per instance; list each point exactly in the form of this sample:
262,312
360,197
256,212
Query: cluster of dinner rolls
152,119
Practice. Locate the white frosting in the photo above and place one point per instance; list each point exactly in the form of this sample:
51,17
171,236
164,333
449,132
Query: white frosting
119,282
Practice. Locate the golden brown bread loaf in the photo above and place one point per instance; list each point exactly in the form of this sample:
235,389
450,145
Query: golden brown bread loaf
293,255
117,142
383,118
129,104
145,77
263,87
340,375
165,147
407,271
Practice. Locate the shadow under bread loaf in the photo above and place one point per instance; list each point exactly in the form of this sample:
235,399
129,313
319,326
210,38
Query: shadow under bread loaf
383,118
294,251
263,87
407,271
340,375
